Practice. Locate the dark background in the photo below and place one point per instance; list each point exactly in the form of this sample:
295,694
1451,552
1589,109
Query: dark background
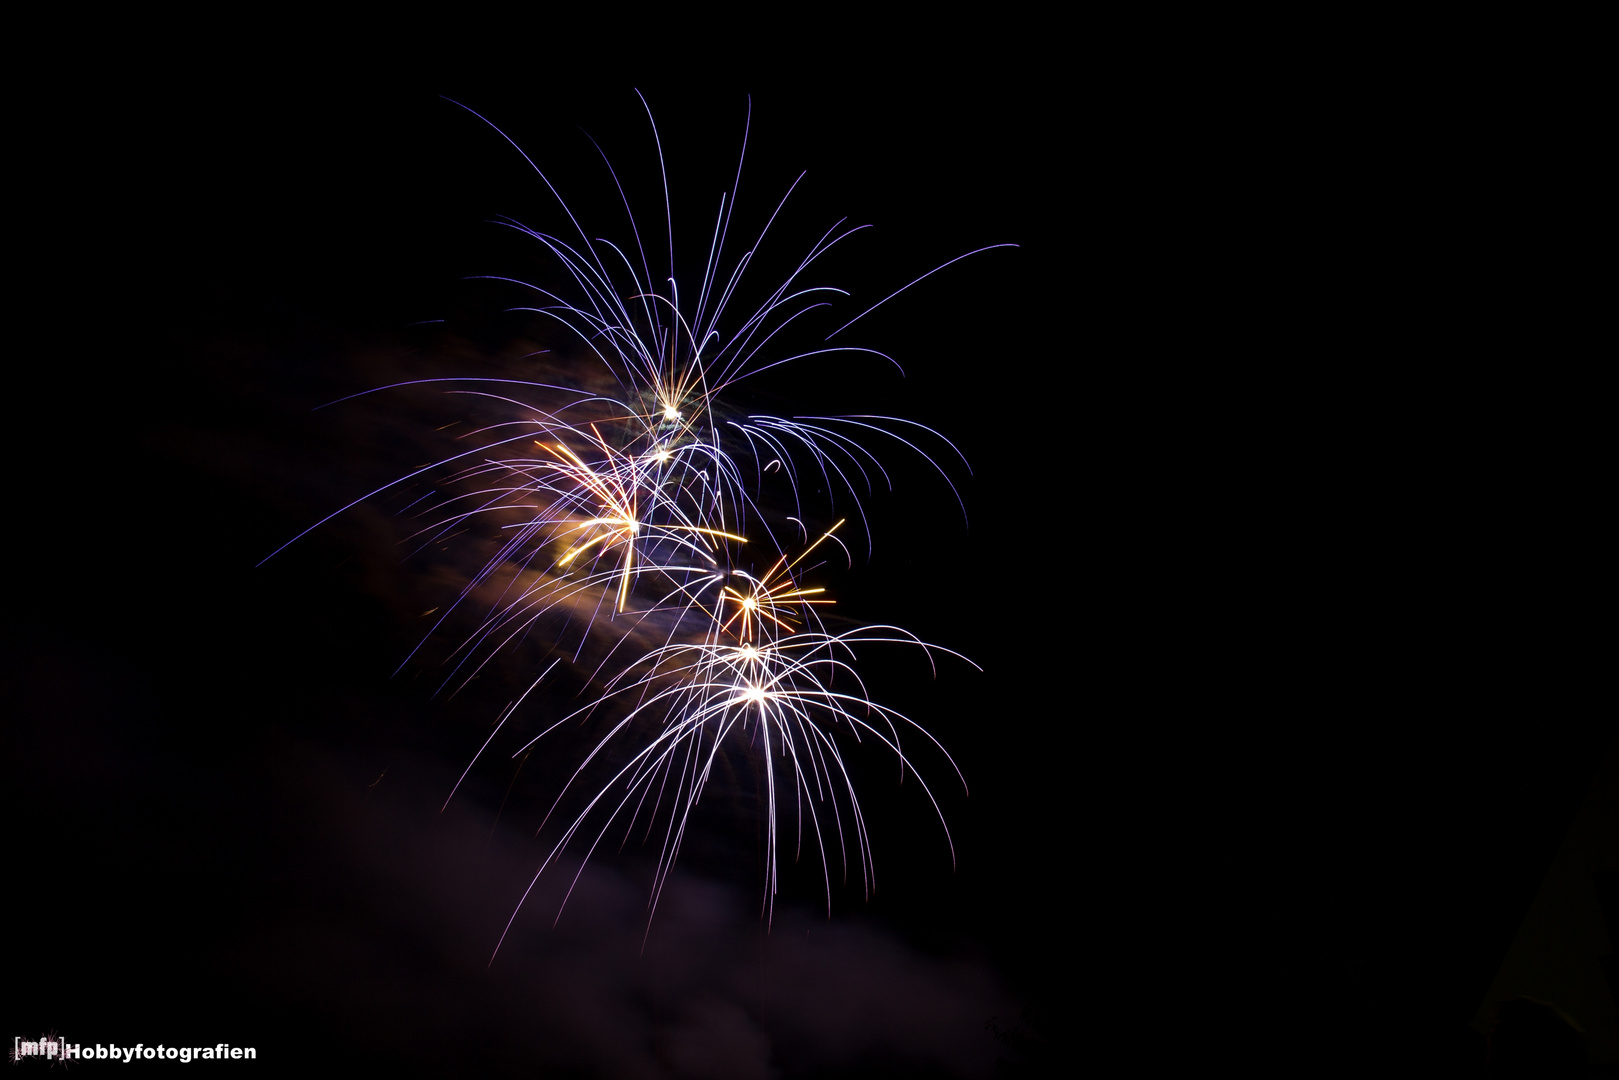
1281,527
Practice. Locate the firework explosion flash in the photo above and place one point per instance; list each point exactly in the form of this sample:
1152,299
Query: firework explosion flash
634,520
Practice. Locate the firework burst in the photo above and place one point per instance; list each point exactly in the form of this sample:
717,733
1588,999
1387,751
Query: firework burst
767,674
633,514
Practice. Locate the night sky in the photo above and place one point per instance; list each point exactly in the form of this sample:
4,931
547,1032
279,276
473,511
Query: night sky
1273,722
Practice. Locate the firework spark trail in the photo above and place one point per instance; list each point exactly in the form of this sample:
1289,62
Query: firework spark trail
703,692
632,509
647,360
756,673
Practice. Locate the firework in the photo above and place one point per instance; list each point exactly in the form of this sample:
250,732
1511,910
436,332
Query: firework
766,674
637,509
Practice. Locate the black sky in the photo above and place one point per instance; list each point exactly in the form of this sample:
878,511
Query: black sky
1277,533
245,807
